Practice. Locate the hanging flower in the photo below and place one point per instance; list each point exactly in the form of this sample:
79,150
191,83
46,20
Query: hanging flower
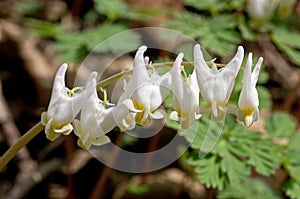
64,105
261,11
96,120
147,90
248,100
185,95
216,85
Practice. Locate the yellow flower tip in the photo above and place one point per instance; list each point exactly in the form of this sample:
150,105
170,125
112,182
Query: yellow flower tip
62,129
248,114
51,135
53,131
248,121
81,145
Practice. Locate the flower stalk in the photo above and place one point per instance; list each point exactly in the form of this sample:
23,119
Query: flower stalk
14,149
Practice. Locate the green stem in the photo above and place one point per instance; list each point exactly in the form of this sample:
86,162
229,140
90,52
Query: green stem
117,76
13,150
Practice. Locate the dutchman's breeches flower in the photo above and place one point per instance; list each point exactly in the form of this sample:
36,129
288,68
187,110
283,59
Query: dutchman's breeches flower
185,95
146,92
261,10
64,105
216,85
97,120
248,100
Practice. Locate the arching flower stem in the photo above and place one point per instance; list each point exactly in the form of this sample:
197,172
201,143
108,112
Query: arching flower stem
14,149
125,72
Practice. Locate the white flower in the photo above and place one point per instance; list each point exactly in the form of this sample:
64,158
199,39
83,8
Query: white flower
216,85
185,95
248,100
146,90
261,10
96,121
64,105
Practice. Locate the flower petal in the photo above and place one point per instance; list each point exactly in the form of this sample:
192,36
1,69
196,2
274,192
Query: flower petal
101,140
158,114
59,80
50,134
204,76
67,110
255,72
235,63
65,130
174,116
129,104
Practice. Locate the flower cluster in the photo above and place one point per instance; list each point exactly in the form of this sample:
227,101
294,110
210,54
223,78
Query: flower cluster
144,94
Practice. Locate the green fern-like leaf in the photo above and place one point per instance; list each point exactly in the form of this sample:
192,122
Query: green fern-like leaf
248,188
280,125
126,42
292,189
288,41
234,153
209,172
291,160
113,9
215,6
74,47
43,28
216,34
71,47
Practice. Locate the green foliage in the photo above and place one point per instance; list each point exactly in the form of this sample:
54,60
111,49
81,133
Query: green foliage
138,189
29,7
238,150
246,32
264,97
292,189
43,28
113,9
216,34
215,6
235,152
288,41
280,125
118,9
248,188
73,47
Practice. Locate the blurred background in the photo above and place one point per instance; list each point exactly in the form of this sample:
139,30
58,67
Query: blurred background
37,36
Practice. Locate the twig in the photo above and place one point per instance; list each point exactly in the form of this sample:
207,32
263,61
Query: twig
289,77
21,189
